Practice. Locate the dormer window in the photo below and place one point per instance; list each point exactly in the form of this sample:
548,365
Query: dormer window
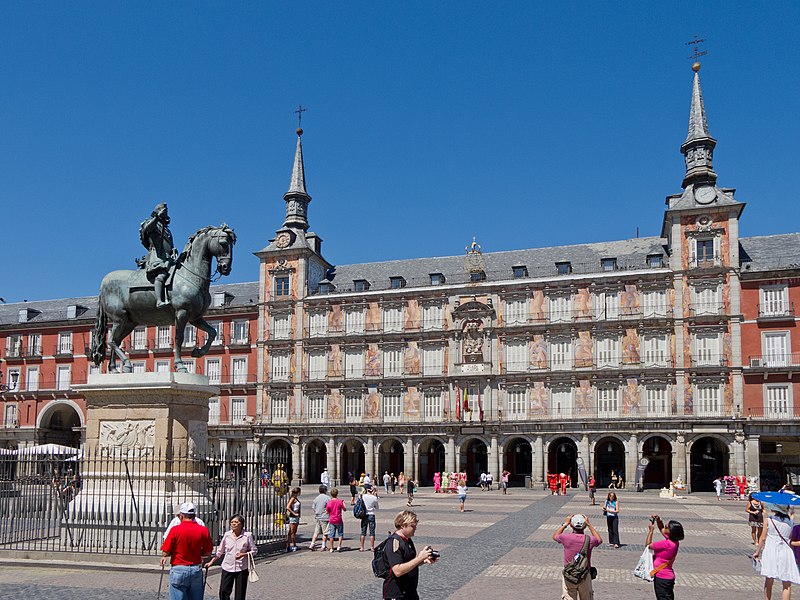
326,287
220,299
437,279
608,264
655,261
520,271
564,267
74,311
477,276
397,282
26,314
361,285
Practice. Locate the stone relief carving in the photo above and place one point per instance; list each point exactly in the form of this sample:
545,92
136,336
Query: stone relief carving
137,438
198,439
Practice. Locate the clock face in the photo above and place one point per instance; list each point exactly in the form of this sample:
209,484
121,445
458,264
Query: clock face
705,195
283,239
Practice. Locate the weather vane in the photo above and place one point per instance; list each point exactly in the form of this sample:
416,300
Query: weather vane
300,110
697,53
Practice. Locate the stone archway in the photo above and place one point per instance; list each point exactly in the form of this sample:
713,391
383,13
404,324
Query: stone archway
352,459
658,473
709,460
474,460
316,461
518,460
60,423
391,459
562,457
431,460
609,455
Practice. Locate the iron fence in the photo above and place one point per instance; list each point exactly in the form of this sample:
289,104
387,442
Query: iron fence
114,503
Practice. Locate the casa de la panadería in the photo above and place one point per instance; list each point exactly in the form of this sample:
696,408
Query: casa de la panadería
672,352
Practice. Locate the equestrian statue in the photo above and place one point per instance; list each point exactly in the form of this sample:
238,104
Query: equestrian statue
167,289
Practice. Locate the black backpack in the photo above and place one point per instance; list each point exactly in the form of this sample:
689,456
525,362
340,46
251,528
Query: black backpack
359,510
380,565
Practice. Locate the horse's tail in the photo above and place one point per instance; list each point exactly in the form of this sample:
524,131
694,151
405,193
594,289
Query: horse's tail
98,348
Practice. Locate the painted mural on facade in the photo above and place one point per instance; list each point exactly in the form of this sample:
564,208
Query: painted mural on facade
584,350
538,394
631,397
629,301
583,304
372,365
335,318
335,367
411,361
583,397
411,403
373,318
539,352
538,308
334,405
372,404
412,314
630,347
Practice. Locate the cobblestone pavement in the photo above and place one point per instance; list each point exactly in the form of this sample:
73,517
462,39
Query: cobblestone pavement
500,548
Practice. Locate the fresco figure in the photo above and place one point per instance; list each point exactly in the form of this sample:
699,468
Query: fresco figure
411,362
539,352
373,366
629,300
630,348
583,397
538,399
584,355
538,312
583,304
630,397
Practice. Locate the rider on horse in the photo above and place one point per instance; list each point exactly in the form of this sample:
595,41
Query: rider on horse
161,256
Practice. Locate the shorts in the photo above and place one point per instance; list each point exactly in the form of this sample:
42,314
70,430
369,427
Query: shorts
321,527
336,530
294,520
505,485
368,522
462,497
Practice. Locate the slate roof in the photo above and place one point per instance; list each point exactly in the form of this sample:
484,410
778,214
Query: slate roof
243,294
760,253
770,252
540,262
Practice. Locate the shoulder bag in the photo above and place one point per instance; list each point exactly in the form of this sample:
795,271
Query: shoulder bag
252,576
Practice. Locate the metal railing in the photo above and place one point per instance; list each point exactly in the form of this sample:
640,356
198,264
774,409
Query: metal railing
774,361
784,410
531,414
707,309
121,504
705,262
570,364
776,310
710,360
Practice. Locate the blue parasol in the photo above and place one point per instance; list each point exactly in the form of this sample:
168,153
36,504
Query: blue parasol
778,498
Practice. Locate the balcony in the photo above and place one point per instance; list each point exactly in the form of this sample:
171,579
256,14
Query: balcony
777,362
14,352
705,262
777,412
239,342
775,312
710,311
64,351
573,364
709,361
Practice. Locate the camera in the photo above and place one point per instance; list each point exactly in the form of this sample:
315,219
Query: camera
434,555
652,519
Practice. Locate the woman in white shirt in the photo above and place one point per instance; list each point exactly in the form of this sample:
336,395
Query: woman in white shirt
236,544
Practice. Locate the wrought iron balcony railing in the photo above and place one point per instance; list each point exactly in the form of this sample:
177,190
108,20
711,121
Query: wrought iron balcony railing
775,311
774,361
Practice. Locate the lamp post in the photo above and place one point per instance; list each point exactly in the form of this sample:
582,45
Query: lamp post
14,381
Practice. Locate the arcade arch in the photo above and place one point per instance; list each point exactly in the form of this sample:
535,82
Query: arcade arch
518,460
562,457
708,460
431,460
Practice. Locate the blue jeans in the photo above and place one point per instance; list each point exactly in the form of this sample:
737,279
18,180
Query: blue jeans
185,583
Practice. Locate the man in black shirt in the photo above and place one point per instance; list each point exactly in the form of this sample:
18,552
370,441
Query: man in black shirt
403,559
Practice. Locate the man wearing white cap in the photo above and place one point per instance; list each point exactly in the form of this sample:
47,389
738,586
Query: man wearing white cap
186,545
576,543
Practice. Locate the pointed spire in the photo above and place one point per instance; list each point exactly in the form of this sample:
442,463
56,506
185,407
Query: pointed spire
698,148
297,185
297,197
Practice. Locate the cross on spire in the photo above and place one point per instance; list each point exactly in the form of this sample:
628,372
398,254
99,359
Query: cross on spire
299,112
696,52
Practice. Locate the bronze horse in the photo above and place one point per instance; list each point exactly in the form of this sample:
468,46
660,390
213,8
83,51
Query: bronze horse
127,299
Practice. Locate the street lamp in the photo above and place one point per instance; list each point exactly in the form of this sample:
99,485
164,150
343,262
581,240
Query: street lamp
14,381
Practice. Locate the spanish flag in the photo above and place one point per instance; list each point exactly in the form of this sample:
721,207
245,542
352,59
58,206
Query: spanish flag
467,407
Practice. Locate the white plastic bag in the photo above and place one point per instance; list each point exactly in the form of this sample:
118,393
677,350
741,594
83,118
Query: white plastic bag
644,566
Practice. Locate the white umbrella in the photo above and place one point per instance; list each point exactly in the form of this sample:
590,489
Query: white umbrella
55,449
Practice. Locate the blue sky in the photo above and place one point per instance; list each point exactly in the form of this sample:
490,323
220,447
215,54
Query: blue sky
526,124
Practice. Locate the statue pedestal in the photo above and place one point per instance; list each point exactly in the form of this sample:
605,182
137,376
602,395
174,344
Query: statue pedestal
144,455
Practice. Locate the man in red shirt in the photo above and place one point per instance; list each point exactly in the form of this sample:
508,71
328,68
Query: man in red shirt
186,545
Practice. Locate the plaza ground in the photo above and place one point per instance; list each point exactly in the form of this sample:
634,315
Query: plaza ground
500,548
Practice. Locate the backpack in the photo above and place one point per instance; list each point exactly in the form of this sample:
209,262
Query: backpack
380,565
359,510
578,568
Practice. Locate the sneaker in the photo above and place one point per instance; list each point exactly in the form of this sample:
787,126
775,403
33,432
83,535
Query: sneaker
332,550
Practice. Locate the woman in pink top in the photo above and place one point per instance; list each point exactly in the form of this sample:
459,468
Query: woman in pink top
335,508
664,553
236,544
